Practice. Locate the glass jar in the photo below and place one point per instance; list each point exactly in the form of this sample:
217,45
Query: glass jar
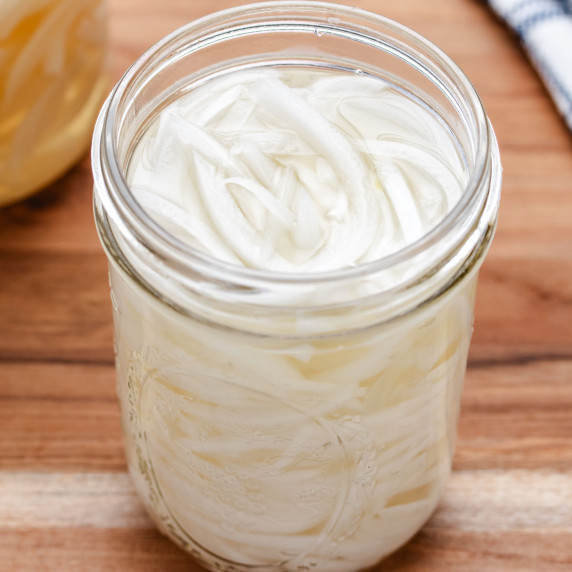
52,83
290,421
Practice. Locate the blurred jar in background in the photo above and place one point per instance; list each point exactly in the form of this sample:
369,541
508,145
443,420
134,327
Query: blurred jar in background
53,60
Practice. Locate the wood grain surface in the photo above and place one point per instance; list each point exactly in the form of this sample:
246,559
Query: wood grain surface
66,503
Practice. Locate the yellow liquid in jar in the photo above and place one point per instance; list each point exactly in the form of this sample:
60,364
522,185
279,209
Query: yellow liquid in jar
52,83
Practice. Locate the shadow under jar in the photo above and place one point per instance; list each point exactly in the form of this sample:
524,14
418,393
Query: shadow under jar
295,199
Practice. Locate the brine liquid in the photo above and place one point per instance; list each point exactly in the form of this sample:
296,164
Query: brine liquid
289,451
52,83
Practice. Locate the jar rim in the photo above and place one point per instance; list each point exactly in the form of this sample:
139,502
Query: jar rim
441,68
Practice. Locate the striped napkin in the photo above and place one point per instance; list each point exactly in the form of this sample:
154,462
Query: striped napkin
545,29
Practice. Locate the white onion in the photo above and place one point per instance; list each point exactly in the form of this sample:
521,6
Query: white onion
260,457
250,127
322,453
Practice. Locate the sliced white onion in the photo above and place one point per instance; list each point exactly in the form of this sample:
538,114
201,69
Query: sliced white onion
322,454
360,193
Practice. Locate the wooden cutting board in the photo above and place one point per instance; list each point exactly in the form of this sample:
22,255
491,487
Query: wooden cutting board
66,503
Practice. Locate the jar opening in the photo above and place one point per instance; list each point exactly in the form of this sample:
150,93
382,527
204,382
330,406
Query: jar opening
285,33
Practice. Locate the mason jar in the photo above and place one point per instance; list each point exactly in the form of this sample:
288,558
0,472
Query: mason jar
53,80
283,420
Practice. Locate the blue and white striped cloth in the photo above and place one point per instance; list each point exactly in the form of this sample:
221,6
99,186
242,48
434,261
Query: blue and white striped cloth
545,29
